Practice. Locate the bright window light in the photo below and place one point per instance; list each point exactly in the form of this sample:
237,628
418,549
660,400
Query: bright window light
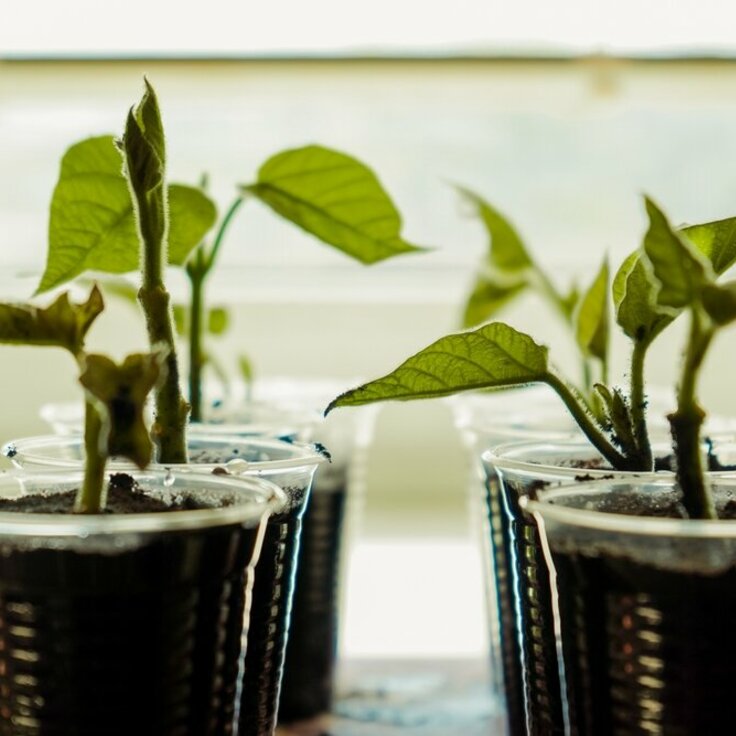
283,27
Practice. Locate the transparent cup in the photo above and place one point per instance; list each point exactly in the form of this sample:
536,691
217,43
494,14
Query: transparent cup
101,611
645,604
289,465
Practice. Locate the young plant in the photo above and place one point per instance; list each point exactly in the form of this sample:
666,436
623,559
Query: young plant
112,211
324,192
509,271
115,394
674,270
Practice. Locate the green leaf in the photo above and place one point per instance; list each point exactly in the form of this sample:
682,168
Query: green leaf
122,390
592,326
634,293
492,356
218,320
679,268
246,368
334,197
62,324
92,224
570,301
719,301
506,251
488,298
181,319
716,241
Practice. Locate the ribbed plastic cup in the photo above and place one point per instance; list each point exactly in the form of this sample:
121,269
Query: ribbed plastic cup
334,507
645,607
291,466
122,624
486,421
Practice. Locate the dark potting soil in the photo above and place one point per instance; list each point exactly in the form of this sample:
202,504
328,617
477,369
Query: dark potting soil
135,639
646,650
307,686
124,496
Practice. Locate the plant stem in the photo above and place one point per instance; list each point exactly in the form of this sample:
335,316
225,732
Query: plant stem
196,355
687,421
638,403
587,423
234,207
91,498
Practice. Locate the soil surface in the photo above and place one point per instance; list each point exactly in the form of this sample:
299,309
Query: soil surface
124,496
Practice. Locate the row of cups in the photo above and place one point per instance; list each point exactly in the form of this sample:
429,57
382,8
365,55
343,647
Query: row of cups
609,613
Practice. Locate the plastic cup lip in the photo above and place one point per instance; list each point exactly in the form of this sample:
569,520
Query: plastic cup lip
603,521
503,460
260,498
31,450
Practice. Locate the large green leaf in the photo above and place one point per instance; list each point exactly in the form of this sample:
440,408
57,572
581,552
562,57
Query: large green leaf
92,225
334,197
680,268
592,327
716,241
62,324
122,391
506,250
488,298
492,356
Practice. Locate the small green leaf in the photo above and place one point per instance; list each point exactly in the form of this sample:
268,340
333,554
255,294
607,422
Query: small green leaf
716,241
570,301
122,391
592,317
488,298
634,290
680,269
218,320
506,250
719,301
492,356
181,320
334,197
246,368
62,324
92,225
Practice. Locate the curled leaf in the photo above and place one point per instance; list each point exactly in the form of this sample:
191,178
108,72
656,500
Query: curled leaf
506,250
121,390
334,197
591,329
62,324
492,356
680,269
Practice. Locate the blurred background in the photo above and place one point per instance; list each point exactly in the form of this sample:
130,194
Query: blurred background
561,114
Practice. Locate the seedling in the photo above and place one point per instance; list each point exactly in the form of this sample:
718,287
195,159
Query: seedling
115,394
509,271
674,270
324,192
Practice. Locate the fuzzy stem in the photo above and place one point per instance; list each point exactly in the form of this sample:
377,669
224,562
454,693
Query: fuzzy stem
687,421
196,356
91,498
637,401
587,423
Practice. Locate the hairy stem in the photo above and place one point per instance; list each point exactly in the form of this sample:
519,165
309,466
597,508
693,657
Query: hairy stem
638,405
196,350
687,421
588,424
91,498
